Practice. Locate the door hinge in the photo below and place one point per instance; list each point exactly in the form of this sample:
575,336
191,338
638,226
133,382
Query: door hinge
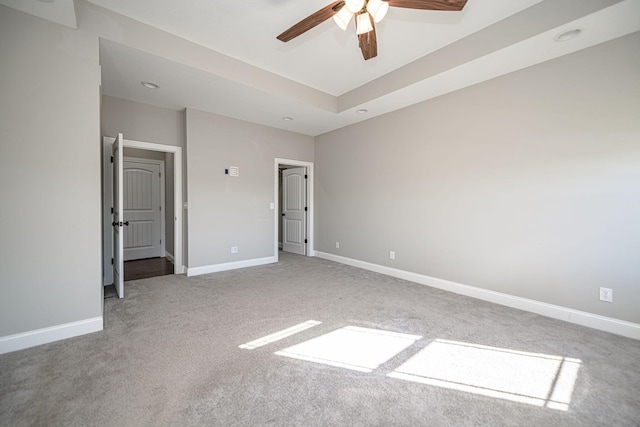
159,207
111,261
111,209
305,208
111,159
305,240
160,241
305,176
160,174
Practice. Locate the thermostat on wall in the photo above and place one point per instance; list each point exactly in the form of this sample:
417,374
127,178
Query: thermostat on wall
234,171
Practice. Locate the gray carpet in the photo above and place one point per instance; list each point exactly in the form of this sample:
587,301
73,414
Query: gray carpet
169,355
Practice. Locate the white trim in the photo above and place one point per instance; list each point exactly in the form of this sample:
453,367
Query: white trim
177,196
595,321
163,208
310,204
36,337
196,271
169,256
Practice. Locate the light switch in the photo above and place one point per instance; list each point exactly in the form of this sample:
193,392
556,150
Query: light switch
234,171
272,206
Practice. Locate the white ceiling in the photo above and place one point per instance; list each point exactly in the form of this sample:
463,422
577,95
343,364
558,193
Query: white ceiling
325,58
320,77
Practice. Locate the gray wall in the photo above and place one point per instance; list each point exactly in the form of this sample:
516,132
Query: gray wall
142,122
50,244
144,154
528,184
225,211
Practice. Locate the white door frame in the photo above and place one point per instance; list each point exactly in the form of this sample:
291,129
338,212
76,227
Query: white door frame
162,196
277,217
117,233
177,200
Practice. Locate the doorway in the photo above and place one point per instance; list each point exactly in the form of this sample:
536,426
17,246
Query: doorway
146,252
172,216
144,207
293,217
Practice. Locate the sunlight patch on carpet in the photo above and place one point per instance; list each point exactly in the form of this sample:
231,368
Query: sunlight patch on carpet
531,378
352,347
277,336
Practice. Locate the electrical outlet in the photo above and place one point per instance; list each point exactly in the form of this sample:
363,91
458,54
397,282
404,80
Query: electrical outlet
337,245
392,255
234,249
606,294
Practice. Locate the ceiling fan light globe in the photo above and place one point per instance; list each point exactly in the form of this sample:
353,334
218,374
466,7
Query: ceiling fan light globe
378,9
354,6
343,17
363,23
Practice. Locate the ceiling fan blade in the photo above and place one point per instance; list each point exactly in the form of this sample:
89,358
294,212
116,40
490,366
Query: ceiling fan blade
369,43
311,21
452,5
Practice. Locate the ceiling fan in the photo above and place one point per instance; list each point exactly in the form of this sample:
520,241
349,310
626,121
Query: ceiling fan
366,12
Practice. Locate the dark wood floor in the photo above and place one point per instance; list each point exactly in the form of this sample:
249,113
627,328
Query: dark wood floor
145,268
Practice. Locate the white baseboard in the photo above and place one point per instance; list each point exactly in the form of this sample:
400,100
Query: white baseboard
595,321
196,271
169,256
28,339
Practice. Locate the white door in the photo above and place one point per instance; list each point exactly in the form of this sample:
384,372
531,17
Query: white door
294,210
142,210
118,220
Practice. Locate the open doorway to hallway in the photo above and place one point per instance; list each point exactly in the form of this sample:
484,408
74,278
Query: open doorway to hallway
149,195
293,220
148,211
